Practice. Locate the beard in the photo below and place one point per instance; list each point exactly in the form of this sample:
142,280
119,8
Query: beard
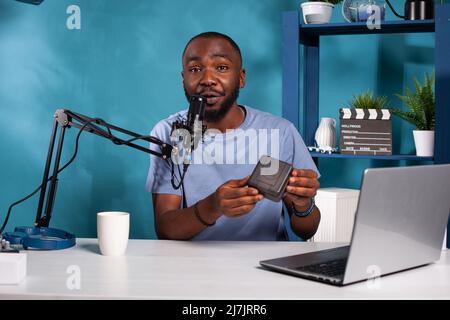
217,115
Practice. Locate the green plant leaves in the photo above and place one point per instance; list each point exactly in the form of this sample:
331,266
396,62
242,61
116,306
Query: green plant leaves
367,100
421,104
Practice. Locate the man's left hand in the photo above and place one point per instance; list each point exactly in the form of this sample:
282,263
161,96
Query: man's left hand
302,187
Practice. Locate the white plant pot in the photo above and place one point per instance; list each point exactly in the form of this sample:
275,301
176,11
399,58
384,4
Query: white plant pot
317,12
424,141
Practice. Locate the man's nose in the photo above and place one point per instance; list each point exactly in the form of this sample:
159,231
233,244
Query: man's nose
208,78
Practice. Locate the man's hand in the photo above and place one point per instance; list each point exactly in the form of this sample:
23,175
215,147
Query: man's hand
234,199
302,187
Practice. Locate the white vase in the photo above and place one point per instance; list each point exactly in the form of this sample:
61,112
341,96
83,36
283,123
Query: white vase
326,133
424,141
317,12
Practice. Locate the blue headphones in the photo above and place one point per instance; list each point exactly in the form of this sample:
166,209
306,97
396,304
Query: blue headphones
40,238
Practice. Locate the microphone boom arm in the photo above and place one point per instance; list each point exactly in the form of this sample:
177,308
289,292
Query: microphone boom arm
66,119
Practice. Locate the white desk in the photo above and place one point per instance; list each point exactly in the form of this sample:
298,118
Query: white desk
155,269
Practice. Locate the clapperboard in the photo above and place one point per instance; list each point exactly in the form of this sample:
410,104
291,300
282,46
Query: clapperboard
365,131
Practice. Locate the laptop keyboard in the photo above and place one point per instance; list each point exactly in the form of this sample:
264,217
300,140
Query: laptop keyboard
334,269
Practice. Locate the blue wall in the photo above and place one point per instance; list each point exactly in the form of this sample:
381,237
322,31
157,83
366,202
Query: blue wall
124,66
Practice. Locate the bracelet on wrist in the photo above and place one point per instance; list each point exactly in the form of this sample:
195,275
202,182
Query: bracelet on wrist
307,212
197,214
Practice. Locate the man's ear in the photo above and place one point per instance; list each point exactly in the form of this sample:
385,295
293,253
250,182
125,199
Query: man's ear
242,78
182,77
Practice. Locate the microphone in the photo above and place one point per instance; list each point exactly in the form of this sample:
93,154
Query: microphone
192,126
195,119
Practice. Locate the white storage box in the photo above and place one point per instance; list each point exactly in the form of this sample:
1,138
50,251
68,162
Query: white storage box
13,267
337,207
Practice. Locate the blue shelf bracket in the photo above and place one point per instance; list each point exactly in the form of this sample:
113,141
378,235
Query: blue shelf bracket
442,85
292,37
310,86
291,85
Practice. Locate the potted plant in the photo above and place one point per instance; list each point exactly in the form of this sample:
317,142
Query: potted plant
318,11
421,114
367,100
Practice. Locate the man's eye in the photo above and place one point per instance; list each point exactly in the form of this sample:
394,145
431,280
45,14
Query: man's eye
194,69
222,68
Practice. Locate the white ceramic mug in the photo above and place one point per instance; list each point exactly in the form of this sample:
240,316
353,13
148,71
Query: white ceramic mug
112,231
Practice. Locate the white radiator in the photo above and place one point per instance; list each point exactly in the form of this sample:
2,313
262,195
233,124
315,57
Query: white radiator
337,207
444,244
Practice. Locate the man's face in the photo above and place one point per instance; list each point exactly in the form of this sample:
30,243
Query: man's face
212,68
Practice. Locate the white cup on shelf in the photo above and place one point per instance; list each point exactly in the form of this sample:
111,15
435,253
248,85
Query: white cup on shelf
113,229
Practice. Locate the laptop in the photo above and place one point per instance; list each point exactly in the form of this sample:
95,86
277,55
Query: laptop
400,223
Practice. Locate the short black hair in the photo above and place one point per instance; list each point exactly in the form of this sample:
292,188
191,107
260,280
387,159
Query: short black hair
212,34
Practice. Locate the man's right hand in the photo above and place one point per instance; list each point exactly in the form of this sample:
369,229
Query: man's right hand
234,198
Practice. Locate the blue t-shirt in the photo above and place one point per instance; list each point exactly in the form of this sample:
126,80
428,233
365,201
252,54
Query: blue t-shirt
233,155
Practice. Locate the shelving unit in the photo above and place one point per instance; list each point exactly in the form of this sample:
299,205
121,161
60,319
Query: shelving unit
409,157
296,35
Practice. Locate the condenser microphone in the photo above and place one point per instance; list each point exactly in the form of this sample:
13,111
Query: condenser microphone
192,126
196,115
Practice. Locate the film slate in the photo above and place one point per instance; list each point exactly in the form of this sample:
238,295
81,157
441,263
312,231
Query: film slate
365,131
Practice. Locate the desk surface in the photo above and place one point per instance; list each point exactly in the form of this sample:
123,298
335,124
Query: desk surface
157,269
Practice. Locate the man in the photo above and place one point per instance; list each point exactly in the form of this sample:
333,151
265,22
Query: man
220,208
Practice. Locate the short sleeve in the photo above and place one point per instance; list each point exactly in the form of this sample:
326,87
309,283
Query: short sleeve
296,151
159,172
